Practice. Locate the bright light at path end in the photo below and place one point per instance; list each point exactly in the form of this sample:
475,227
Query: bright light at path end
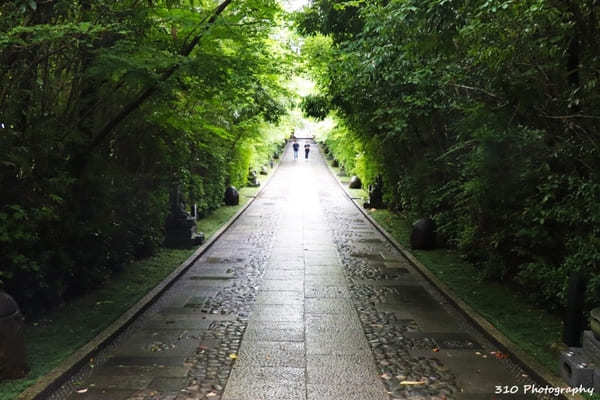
293,5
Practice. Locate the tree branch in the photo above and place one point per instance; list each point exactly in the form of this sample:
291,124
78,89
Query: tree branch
475,90
108,128
571,116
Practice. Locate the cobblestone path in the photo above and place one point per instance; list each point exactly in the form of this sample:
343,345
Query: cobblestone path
301,299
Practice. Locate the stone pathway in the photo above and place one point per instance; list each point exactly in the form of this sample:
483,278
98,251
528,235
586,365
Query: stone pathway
300,299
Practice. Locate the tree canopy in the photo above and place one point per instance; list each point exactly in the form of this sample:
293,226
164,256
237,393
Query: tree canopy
481,114
107,105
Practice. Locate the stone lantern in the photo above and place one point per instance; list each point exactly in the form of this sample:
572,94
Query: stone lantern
13,363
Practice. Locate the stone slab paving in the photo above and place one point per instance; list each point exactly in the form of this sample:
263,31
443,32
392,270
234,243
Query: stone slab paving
300,299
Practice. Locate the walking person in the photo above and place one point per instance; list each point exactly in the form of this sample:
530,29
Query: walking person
296,146
306,150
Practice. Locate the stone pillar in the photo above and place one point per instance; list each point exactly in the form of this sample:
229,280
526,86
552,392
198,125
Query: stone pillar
13,363
574,319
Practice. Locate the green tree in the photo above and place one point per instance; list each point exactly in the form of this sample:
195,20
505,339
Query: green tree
105,106
482,114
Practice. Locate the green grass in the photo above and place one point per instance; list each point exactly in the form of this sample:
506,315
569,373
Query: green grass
359,194
534,330
52,339
218,217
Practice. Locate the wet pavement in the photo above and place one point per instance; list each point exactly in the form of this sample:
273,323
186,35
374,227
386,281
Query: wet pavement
300,299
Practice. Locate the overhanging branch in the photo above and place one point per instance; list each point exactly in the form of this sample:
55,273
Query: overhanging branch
106,131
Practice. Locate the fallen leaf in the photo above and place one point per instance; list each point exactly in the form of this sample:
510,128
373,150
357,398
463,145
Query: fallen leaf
233,356
500,355
82,391
412,382
435,349
385,376
211,394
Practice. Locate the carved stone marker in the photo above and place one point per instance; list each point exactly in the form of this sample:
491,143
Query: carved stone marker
232,197
180,226
355,183
12,344
252,179
423,234
375,194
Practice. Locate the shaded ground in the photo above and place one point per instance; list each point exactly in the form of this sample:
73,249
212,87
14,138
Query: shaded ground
300,299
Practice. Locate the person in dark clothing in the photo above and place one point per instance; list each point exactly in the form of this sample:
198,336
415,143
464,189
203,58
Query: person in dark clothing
306,150
296,146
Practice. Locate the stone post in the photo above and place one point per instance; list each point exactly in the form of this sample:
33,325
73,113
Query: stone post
13,363
574,320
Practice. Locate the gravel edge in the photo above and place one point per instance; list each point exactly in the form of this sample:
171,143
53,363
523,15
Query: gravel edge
528,363
55,378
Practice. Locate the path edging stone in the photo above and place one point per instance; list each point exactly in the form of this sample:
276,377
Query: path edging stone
528,363
51,381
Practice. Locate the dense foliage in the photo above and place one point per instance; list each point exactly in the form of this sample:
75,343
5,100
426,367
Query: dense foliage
482,114
105,106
